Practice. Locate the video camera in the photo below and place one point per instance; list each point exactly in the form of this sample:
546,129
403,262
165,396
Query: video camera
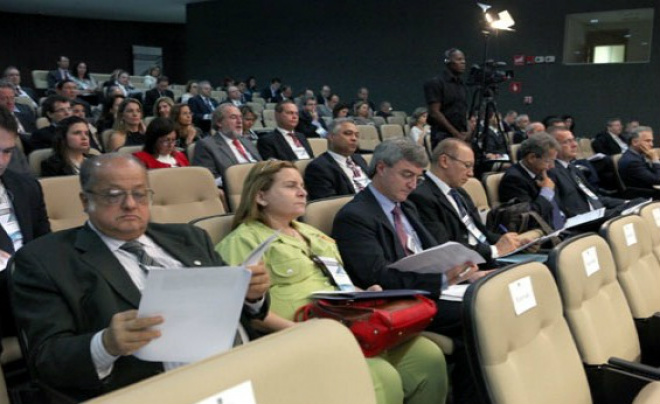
489,74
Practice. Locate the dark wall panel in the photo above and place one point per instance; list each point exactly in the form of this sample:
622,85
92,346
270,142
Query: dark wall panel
393,46
34,42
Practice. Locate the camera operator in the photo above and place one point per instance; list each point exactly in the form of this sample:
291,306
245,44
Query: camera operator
446,96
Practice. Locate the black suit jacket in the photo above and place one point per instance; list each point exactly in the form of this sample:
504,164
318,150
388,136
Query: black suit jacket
273,146
572,201
635,171
603,143
325,178
150,98
442,220
199,108
306,127
517,183
54,76
368,244
67,286
27,117
42,138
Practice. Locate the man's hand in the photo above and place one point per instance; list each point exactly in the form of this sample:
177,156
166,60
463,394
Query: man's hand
648,152
127,333
478,275
259,282
507,243
545,181
461,273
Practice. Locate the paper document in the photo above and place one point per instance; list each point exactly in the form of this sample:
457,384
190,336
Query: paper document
584,218
539,240
454,293
367,294
201,308
633,209
596,157
439,259
520,258
257,253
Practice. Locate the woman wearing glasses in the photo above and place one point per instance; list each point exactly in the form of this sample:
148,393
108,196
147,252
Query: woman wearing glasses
159,149
273,198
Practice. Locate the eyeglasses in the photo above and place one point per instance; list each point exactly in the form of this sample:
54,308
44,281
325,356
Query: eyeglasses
466,164
118,196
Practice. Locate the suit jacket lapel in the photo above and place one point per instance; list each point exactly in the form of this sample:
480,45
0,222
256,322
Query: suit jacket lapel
224,148
383,219
285,147
247,144
98,256
337,168
176,245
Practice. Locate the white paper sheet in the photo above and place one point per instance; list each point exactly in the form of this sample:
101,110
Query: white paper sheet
438,259
257,253
454,293
522,295
635,209
201,308
584,218
239,394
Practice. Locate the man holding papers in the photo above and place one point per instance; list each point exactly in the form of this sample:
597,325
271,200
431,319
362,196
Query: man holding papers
75,292
447,210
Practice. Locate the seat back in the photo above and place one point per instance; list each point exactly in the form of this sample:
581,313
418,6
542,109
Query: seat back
584,147
130,149
40,79
301,165
477,193
42,122
492,182
650,213
182,194
234,179
621,186
594,304
314,362
637,267
396,120
321,212
319,145
522,352
390,131
62,199
36,157
368,137
367,157
217,227
513,152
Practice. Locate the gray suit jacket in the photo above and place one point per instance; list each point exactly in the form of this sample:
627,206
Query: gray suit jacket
214,153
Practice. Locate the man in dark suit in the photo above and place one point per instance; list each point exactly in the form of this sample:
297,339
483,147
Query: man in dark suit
61,73
448,211
13,75
310,122
528,180
379,227
227,147
161,90
339,171
202,106
639,167
56,108
576,194
22,213
284,143
24,115
77,291
272,92
611,141
68,89
234,97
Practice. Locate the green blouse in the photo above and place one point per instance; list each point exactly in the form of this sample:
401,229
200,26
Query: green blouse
293,274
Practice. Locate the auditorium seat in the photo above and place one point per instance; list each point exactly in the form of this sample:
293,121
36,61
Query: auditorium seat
105,138
257,107
234,179
182,194
62,199
520,346
584,148
42,122
39,78
379,120
314,362
301,165
513,152
391,131
217,227
130,149
190,151
477,193
427,145
396,120
367,157
638,271
269,118
36,157
321,212
319,145
492,185
270,106
650,213
368,137
259,100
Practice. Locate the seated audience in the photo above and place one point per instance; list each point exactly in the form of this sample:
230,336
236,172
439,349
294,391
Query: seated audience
310,123
78,109
24,115
249,118
639,166
324,95
227,147
528,180
325,110
340,111
69,89
419,129
447,210
191,91
87,86
519,128
61,73
494,145
187,133
159,149
234,97
76,293
128,128
246,96
273,198
123,83
151,78
55,108
161,90
109,112
363,96
362,114
272,92
13,75
163,107
284,143
339,171
385,110
202,106
251,88
508,123
70,148
612,140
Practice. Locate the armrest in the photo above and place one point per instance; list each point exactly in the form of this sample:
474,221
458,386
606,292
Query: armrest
636,368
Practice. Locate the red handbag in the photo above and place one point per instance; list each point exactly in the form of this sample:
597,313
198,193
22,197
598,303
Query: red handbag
377,324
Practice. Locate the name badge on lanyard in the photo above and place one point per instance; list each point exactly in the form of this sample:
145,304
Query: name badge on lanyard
301,153
337,272
587,191
472,228
412,245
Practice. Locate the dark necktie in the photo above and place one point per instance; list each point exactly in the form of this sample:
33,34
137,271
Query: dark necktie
295,139
558,218
591,197
357,173
240,149
208,104
459,202
144,259
400,229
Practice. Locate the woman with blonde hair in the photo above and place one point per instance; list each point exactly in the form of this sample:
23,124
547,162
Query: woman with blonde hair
163,107
273,198
128,128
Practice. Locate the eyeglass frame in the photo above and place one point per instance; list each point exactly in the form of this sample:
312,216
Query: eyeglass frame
121,195
467,165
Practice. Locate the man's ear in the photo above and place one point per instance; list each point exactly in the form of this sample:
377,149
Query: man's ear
85,201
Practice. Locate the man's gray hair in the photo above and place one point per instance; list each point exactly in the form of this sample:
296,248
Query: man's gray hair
219,112
392,151
538,144
6,84
521,117
448,146
637,132
337,123
91,166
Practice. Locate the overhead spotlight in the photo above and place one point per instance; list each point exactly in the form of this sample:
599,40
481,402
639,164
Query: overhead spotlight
499,21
